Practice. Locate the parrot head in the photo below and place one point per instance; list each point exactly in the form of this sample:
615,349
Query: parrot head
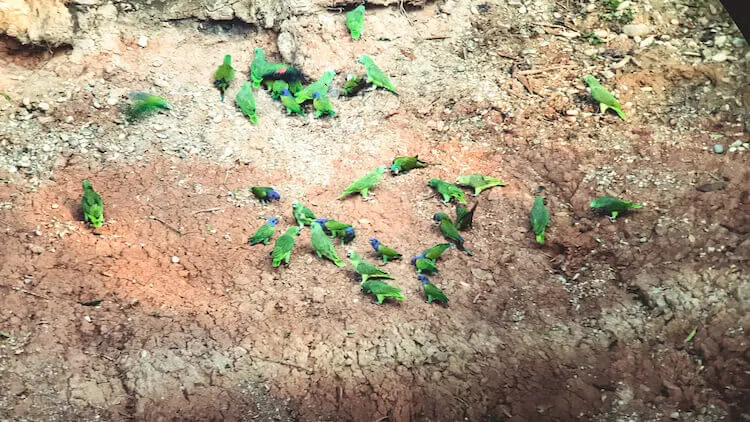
423,278
590,80
316,95
258,52
273,221
350,76
395,169
228,59
439,216
375,243
414,260
285,92
348,234
352,255
321,221
273,195
87,184
380,169
432,183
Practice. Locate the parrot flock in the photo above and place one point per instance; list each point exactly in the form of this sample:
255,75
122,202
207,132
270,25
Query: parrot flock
284,82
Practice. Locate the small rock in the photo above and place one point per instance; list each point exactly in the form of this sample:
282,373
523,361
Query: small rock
712,187
175,260
647,42
161,83
68,119
481,274
43,106
674,21
720,57
732,149
633,30
35,249
675,415
143,41
572,112
26,102
112,101
738,42
720,40
718,149
87,318
736,143
24,162
287,45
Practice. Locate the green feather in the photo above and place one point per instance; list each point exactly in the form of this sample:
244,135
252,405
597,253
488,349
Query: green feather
93,206
448,191
282,249
143,104
257,66
365,183
262,235
605,98
353,85
404,164
291,105
323,246
303,215
355,20
434,252
479,182
465,216
321,86
382,290
376,76
365,269
224,75
425,265
246,101
433,293
539,218
323,107
613,206
450,231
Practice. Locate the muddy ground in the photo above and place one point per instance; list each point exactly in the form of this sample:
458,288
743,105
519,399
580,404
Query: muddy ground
195,324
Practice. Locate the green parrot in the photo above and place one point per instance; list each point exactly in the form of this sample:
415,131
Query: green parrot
449,191
450,231
264,233
224,75
303,215
539,218
93,206
382,251
425,265
282,249
612,206
291,105
431,291
479,182
376,76
257,66
365,183
322,106
265,194
436,251
276,88
465,216
322,244
144,104
365,269
261,69
355,20
404,164
337,229
246,101
605,98
321,86
381,290
353,85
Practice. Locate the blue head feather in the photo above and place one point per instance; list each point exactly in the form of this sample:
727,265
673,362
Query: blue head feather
321,221
414,260
423,278
285,92
348,234
316,95
438,216
273,195
375,243
273,221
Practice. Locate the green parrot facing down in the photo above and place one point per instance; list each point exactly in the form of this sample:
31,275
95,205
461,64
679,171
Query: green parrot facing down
246,101
291,105
365,183
355,20
303,215
382,251
605,98
322,244
275,88
321,86
322,106
365,269
93,206
539,218
381,290
257,66
376,76
465,216
479,182
353,85
434,252
449,191
264,233
261,69
265,194
334,228
450,231
431,291
612,206
282,249
425,265
144,104
404,164
224,75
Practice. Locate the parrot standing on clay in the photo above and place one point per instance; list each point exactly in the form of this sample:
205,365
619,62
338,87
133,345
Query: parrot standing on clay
432,292
321,86
291,105
355,21
353,85
381,290
275,88
334,228
404,164
376,76
365,269
303,215
539,218
449,191
257,66
224,75
433,253
612,206
264,233
261,69
382,251
450,231
322,244
282,249
425,265
265,194
246,101
365,183
605,98
322,106
479,182
144,104
465,216
93,206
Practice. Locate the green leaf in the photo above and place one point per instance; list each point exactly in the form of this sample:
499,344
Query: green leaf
4,334
350,332
691,335
6,96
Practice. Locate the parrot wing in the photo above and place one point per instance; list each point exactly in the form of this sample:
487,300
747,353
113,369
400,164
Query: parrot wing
246,101
539,218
